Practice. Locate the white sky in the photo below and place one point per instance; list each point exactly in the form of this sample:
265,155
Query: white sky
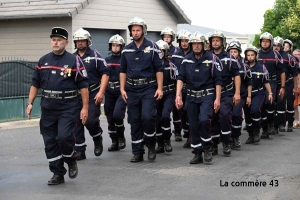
237,16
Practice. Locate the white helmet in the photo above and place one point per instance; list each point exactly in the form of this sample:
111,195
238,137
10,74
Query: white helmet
137,21
183,35
278,41
116,39
82,34
219,34
267,36
162,45
289,42
168,31
234,44
197,37
251,48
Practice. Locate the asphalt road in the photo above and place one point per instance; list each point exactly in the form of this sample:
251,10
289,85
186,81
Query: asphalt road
24,170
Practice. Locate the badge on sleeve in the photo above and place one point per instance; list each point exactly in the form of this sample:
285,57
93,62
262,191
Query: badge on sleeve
147,49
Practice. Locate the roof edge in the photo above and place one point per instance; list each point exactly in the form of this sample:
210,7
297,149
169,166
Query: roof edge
175,8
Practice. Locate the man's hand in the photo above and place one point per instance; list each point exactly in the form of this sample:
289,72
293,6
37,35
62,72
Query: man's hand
295,91
158,94
124,95
83,115
281,92
236,99
98,98
28,111
248,101
216,105
178,102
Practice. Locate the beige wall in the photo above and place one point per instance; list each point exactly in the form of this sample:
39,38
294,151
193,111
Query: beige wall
116,14
29,38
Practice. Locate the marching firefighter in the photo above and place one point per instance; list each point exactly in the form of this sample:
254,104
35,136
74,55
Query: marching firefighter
260,80
201,72
115,106
231,83
182,123
141,72
235,49
60,75
98,78
165,105
273,62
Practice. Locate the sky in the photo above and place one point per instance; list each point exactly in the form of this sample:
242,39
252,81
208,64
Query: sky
237,16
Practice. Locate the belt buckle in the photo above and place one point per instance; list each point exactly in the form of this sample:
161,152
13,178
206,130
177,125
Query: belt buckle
140,82
53,95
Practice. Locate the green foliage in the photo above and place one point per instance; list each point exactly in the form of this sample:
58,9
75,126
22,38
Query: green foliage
282,20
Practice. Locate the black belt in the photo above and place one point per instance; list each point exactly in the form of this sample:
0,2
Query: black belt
227,87
113,85
200,93
257,89
168,88
59,94
273,78
94,87
141,81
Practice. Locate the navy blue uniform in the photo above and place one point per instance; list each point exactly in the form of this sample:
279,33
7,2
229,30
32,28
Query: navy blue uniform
290,72
180,120
273,62
201,77
253,112
222,120
173,50
140,66
95,66
60,77
114,106
237,113
165,105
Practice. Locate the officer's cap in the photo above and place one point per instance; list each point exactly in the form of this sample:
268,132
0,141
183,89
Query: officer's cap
60,32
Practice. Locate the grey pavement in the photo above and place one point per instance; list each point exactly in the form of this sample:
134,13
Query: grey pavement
24,170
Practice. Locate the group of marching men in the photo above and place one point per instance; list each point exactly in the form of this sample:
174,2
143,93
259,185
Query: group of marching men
208,87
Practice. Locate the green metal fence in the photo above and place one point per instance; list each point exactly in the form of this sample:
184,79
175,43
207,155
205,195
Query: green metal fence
15,81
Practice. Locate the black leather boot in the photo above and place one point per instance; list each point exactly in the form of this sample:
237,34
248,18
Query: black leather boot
215,150
178,137
187,144
271,129
80,155
160,148
168,147
265,134
226,149
236,144
290,127
73,169
208,155
115,145
122,141
137,158
98,149
151,154
56,179
197,159
281,128
256,135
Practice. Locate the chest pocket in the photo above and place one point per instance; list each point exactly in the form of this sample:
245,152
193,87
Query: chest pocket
45,77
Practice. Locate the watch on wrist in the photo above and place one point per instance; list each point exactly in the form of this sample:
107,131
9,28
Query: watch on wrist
283,86
29,103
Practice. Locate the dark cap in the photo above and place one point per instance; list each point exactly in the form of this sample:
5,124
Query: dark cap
60,32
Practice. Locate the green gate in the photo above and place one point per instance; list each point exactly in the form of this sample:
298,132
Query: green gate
15,81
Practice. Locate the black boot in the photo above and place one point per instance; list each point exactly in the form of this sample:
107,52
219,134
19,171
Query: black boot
56,179
187,144
98,149
178,137
215,149
250,140
122,141
245,128
115,145
236,144
73,169
265,134
160,148
80,155
226,149
271,129
137,158
290,127
281,128
151,154
197,159
256,135
208,155
168,147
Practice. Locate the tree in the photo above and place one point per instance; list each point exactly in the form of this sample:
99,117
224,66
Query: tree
282,20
